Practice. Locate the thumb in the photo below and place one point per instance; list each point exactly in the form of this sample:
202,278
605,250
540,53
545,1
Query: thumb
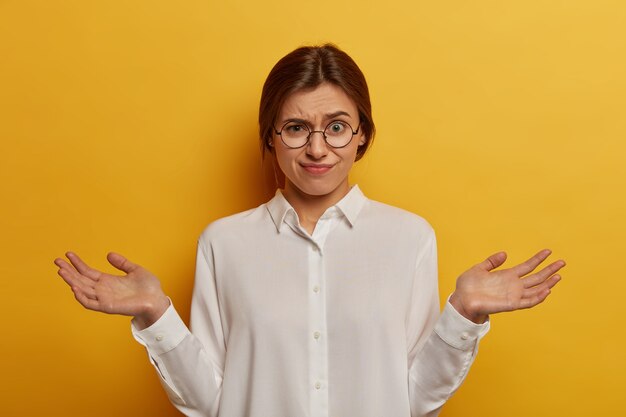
121,262
493,261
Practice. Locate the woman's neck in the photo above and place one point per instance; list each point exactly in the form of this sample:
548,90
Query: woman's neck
311,207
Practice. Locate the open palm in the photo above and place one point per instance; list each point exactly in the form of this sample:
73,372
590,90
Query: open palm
481,290
138,293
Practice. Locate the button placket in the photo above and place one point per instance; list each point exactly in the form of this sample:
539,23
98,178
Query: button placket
318,355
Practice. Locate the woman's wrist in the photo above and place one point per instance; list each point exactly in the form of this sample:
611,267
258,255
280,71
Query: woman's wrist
153,311
464,308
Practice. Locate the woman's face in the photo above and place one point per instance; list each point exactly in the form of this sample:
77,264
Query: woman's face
317,169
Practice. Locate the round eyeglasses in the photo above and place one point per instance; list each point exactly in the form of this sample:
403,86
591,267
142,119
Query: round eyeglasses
296,134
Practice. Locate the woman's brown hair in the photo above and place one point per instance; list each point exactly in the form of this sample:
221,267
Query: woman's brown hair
306,68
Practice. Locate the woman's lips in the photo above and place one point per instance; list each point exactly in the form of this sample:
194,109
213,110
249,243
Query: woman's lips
317,169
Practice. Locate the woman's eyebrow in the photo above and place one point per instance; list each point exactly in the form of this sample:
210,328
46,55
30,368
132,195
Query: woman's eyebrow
336,114
326,117
296,119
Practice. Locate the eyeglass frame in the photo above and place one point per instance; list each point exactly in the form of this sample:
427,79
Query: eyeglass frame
323,132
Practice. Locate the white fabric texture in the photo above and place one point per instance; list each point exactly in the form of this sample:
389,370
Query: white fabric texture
341,323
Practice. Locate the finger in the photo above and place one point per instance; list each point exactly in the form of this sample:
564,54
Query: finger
88,303
537,298
75,280
538,294
61,263
82,267
493,261
530,265
545,273
551,282
67,275
121,263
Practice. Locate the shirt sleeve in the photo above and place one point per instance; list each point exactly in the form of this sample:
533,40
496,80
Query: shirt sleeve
442,347
190,366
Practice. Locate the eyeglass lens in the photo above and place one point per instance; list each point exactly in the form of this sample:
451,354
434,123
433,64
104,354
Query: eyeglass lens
296,134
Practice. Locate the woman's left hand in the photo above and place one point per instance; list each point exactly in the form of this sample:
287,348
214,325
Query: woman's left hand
481,291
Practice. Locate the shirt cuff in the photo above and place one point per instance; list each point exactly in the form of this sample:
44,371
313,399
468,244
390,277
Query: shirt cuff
164,334
457,331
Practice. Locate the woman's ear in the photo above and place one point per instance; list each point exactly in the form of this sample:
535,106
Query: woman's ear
362,139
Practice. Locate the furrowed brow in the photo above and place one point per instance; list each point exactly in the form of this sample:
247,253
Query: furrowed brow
327,116
337,114
296,120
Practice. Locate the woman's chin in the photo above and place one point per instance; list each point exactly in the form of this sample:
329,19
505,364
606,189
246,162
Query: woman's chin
317,190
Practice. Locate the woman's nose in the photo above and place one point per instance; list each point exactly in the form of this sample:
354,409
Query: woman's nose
317,146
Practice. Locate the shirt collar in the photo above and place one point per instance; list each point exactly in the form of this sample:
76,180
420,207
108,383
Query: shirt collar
349,206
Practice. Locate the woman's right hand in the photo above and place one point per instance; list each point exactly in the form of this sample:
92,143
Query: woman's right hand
137,294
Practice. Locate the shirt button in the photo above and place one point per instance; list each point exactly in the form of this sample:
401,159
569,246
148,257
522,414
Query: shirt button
316,335
159,337
316,289
318,385
464,336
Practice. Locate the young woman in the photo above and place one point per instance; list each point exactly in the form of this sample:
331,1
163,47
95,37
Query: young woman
320,302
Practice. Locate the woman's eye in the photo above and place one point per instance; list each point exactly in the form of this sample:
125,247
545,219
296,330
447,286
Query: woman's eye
336,127
295,128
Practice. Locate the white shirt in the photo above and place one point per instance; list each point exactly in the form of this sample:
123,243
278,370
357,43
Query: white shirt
341,323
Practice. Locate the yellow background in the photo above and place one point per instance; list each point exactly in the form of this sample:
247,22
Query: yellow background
129,125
